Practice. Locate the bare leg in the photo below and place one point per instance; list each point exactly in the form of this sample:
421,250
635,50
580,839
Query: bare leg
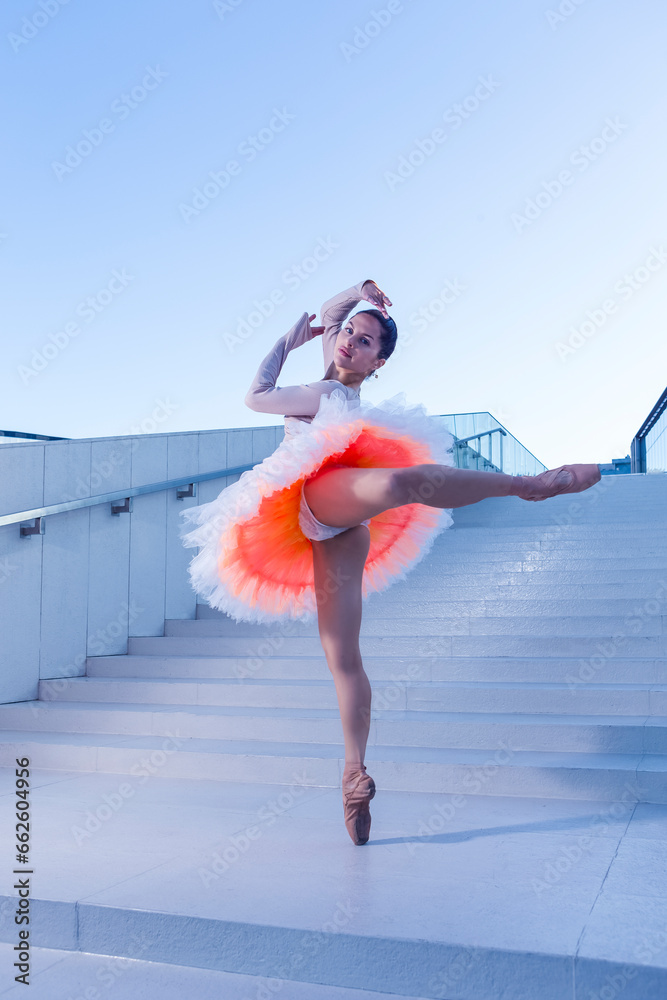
341,497
338,565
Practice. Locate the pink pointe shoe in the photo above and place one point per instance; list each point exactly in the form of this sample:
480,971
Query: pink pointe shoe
358,790
564,479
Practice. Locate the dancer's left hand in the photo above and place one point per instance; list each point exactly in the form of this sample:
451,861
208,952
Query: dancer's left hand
376,296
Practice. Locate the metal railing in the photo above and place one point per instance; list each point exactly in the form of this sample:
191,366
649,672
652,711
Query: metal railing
31,437
38,513
463,442
638,446
502,454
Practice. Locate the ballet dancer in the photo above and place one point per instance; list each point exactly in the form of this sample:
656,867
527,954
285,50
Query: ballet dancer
354,494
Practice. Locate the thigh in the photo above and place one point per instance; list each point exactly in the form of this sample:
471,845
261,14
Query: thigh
338,565
343,497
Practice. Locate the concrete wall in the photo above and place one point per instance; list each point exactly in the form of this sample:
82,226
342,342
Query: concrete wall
93,579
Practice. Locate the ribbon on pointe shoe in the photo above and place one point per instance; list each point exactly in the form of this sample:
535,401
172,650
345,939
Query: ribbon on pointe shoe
547,484
565,479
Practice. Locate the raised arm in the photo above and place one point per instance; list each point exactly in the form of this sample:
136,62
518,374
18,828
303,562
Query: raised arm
333,314
296,400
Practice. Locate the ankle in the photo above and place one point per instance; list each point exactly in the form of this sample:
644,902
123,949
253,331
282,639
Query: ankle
354,765
515,486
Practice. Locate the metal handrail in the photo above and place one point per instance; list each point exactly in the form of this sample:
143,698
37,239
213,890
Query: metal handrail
126,494
476,437
32,437
481,434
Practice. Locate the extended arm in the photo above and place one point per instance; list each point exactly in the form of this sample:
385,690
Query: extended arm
297,400
333,314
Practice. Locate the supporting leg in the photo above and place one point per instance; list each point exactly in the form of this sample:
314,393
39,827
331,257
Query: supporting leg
338,565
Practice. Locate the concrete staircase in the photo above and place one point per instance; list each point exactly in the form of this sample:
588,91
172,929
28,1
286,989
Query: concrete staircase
540,647
525,656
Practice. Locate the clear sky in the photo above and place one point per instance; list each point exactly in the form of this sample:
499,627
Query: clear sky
512,152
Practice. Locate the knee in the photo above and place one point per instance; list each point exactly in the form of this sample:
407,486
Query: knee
417,483
400,485
342,655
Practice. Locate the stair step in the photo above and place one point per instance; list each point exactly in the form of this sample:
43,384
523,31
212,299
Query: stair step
522,604
496,770
442,644
469,896
61,973
481,730
419,666
526,589
424,622
453,696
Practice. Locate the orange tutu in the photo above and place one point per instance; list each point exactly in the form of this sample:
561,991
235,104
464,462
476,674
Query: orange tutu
256,564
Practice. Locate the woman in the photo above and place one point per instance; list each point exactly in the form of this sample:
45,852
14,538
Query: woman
352,498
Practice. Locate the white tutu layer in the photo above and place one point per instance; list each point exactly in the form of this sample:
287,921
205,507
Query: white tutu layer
300,454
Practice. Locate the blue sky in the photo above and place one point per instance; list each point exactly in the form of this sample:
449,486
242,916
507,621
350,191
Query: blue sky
530,139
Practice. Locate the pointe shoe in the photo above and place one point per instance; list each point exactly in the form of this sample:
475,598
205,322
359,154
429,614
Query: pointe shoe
358,790
564,479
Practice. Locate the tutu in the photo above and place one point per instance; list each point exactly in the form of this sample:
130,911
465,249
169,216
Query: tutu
256,564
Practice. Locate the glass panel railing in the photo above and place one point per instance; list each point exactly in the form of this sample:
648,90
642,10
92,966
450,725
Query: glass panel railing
483,443
655,443
649,445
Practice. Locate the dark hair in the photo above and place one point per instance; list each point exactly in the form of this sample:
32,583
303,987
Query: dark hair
388,336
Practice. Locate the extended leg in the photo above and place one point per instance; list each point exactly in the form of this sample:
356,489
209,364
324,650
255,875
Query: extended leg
342,497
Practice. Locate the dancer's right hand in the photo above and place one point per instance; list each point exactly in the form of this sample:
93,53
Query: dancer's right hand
316,330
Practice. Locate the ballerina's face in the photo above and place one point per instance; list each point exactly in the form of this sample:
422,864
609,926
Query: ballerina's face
357,345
